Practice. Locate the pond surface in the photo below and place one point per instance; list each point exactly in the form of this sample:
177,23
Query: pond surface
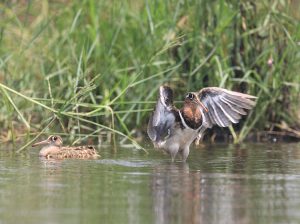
251,183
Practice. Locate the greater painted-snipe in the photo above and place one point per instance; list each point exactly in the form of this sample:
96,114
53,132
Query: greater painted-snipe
173,130
53,148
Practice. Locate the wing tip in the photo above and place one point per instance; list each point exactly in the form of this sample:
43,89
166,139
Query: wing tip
166,95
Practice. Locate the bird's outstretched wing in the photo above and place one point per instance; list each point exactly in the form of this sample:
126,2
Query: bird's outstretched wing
163,117
223,107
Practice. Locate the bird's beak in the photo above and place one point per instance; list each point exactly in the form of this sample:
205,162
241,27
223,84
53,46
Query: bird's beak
45,142
200,103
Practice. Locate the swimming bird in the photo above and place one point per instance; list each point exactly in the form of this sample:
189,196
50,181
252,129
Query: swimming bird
173,130
53,148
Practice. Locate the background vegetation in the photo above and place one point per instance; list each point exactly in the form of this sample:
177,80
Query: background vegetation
92,68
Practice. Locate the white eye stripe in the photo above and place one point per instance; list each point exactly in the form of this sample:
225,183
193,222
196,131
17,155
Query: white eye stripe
190,96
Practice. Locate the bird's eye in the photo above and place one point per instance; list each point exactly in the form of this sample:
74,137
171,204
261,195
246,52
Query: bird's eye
190,96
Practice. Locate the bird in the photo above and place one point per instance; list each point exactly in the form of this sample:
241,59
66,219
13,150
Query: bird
54,149
173,130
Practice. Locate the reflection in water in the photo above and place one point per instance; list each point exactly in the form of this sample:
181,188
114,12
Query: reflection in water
218,184
176,193
236,195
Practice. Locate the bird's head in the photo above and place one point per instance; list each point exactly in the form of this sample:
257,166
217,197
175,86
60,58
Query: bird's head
53,140
192,100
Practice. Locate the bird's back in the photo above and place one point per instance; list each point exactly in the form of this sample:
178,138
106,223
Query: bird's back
77,152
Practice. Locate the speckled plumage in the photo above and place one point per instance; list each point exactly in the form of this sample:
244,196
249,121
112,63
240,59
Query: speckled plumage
53,149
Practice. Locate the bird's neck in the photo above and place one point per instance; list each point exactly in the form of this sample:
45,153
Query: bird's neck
192,115
49,149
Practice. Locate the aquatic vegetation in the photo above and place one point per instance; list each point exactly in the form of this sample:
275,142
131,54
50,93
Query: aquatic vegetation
92,68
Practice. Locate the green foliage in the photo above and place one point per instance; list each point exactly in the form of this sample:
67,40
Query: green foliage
95,66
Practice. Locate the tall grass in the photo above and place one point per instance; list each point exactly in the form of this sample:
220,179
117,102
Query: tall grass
94,67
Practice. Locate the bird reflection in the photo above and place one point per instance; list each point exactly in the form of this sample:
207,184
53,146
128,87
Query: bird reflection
176,193
184,195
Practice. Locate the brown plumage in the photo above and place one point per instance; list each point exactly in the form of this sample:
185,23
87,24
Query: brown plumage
53,149
175,129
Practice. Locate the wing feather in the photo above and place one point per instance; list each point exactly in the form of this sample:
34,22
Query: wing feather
234,107
224,106
162,119
231,116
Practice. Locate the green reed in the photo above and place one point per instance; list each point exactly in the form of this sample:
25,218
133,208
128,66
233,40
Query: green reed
95,66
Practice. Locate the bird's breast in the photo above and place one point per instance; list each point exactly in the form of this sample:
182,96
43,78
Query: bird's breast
181,138
49,150
192,116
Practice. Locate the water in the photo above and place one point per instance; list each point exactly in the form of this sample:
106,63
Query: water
255,183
